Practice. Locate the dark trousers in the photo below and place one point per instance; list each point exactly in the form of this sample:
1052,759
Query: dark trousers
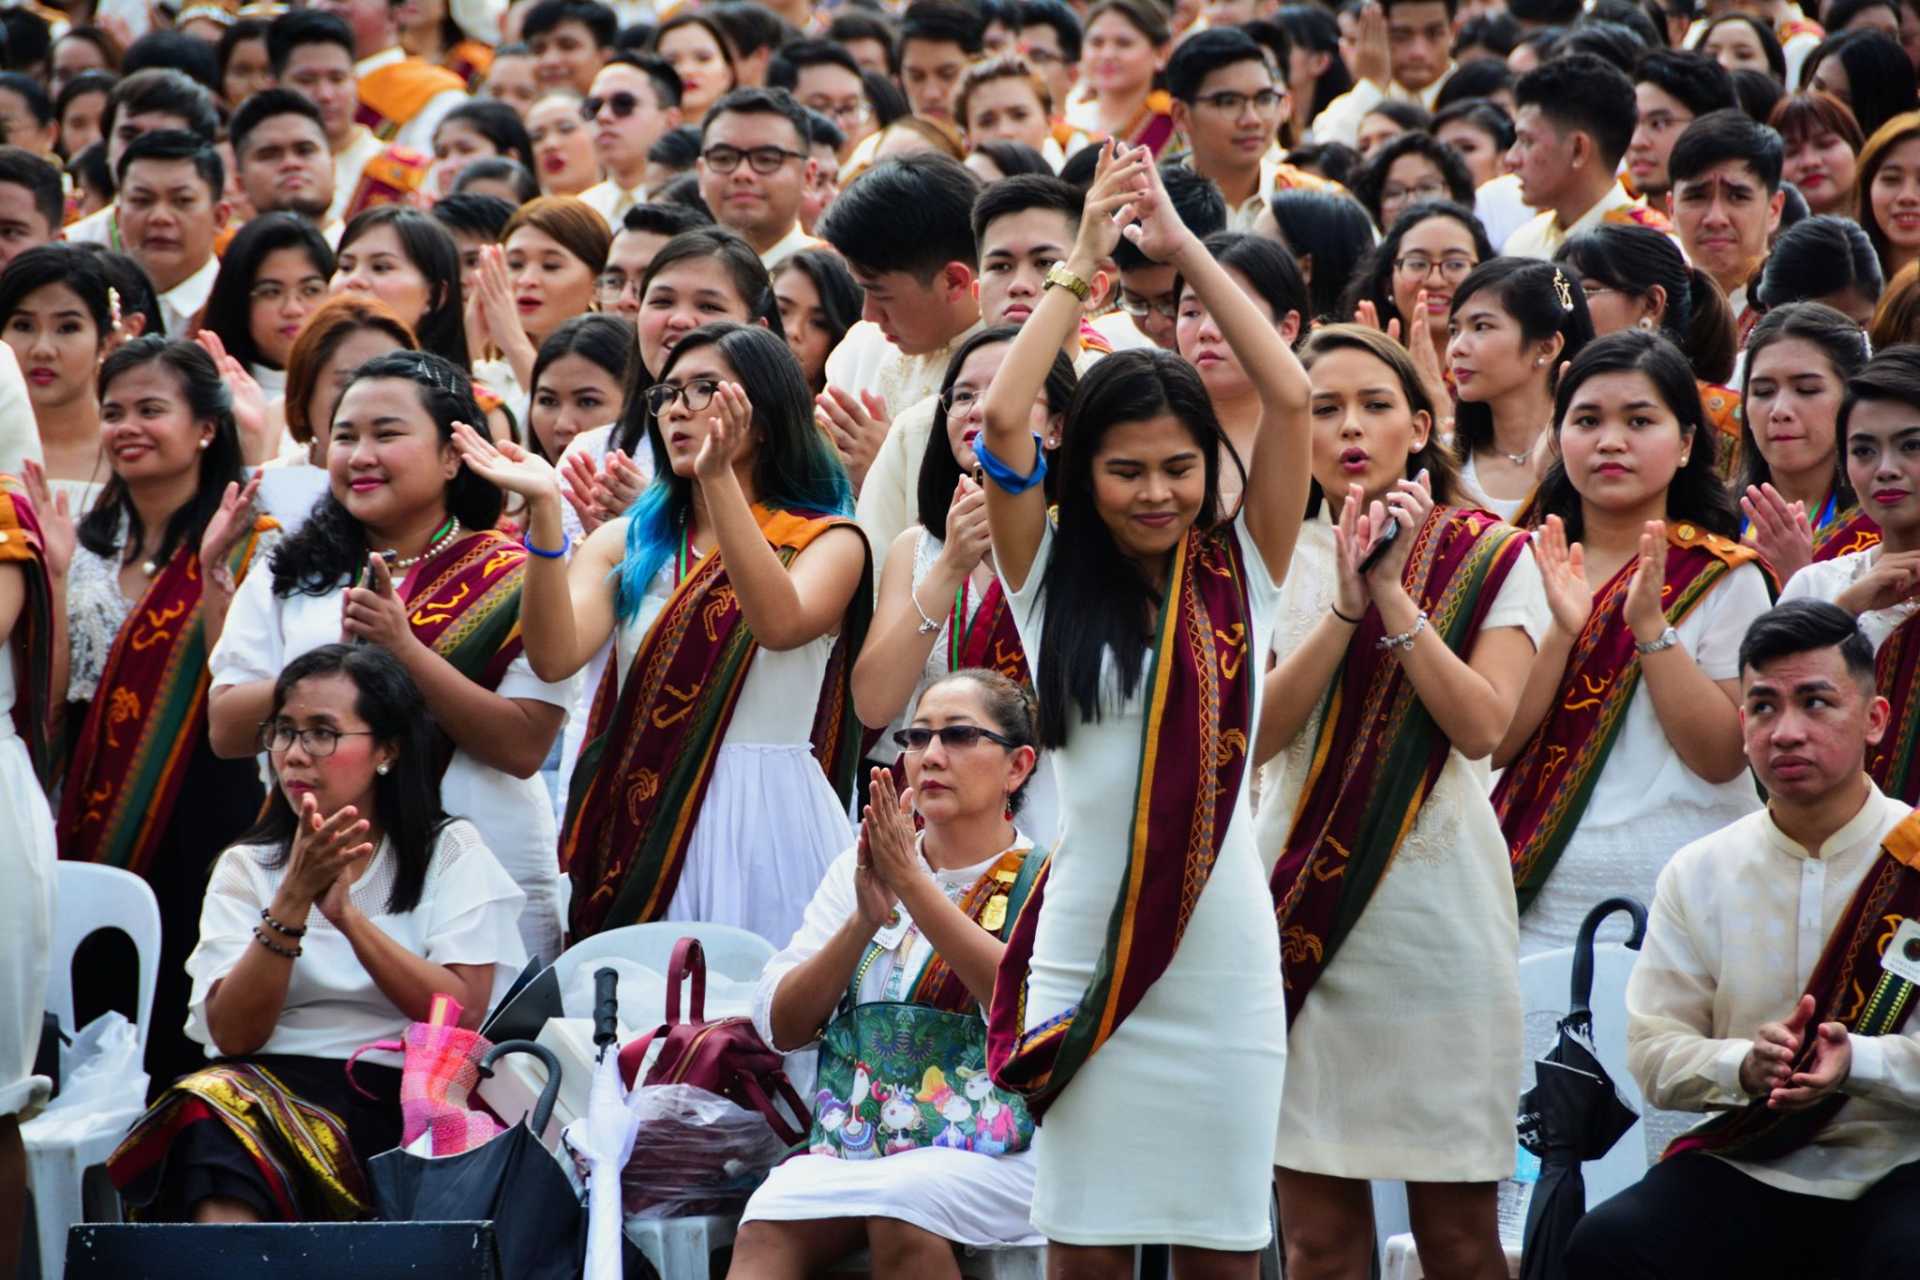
1695,1216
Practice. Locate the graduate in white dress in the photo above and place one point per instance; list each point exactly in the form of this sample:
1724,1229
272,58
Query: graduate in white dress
941,607
735,591
402,553
915,919
1157,1058
1626,744
1392,687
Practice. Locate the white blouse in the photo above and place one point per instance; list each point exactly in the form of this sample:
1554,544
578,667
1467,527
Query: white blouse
1826,579
465,915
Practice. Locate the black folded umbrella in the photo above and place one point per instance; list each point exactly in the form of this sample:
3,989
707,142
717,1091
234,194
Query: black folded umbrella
512,1181
1574,1112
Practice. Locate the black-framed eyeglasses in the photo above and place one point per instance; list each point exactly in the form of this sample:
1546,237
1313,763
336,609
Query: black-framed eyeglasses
722,158
623,102
1417,266
318,742
1231,102
954,737
697,395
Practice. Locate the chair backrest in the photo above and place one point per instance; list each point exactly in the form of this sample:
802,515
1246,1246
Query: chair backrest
91,897
1544,982
734,953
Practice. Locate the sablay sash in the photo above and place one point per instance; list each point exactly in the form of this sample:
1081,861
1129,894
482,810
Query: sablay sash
1894,761
21,543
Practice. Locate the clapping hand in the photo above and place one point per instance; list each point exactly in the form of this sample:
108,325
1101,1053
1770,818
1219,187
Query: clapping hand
232,522
326,856
1119,182
968,536
1781,532
56,520
857,425
1646,605
1563,572
506,465
249,401
731,421
1893,579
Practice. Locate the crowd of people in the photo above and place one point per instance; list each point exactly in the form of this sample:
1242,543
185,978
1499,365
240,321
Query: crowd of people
479,473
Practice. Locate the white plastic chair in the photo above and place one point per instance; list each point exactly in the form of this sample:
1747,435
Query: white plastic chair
1544,982
733,953
90,897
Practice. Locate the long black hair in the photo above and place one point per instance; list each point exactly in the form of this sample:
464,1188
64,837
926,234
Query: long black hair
841,297
1097,600
1370,183
1330,232
230,305
1631,260
1543,300
1845,347
436,256
1374,280
939,469
406,798
607,340
1268,267
1696,493
209,401
60,263
331,546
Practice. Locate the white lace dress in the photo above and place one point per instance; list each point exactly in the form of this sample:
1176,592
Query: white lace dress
1406,1061
26,909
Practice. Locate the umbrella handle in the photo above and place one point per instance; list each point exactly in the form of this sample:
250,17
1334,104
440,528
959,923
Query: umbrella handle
606,1007
1582,994
543,1109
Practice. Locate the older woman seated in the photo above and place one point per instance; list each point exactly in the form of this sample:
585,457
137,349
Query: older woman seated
908,920
332,924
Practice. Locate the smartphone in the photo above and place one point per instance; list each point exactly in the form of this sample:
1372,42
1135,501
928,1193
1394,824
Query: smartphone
1380,547
361,576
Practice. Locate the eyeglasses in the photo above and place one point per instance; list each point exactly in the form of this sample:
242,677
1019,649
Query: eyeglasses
1041,59
954,737
317,742
1416,266
272,291
697,395
1424,191
960,401
851,112
611,286
725,159
1140,308
1232,103
623,102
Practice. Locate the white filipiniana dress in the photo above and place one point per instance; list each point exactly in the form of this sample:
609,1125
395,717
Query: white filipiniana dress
1406,1061
1164,1135
1646,804
27,860
964,1196
770,823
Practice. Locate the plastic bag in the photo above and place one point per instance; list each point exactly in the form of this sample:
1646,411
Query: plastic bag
103,1084
695,1153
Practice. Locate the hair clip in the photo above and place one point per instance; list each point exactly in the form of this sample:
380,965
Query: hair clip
1563,288
113,307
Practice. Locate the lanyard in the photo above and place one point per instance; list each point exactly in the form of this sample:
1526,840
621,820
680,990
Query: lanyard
957,625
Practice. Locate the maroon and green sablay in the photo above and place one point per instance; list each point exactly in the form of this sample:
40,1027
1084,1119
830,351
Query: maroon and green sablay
1199,695
1894,761
1379,752
32,638
1544,791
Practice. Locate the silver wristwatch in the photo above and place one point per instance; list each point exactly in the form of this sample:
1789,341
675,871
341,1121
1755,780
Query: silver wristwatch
1667,640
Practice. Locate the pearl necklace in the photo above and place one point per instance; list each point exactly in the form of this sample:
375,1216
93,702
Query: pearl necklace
448,532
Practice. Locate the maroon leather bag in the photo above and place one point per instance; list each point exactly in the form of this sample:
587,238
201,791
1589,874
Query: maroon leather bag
726,1056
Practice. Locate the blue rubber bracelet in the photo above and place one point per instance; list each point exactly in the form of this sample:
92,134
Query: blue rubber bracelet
566,541
1009,480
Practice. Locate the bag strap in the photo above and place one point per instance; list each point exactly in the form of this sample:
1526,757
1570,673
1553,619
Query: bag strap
757,1094
1030,868
389,1046
687,959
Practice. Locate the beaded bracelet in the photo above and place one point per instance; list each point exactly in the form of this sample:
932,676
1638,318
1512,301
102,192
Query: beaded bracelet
277,927
260,936
566,541
1404,641
1009,480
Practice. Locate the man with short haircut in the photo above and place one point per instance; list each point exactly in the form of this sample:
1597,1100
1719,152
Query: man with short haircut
145,102
170,215
824,144
26,115
1402,49
868,37
280,152
1148,302
643,231
401,99
32,202
755,168
511,78
756,33
1228,104
571,40
1726,200
1023,226
1050,39
312,54
635,98
937,41
1671,89
1775,991
823,77
1575,119
905,228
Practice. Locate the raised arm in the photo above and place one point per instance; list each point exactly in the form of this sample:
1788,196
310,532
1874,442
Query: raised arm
1018,519
899,642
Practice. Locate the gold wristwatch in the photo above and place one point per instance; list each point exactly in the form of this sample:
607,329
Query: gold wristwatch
1058,274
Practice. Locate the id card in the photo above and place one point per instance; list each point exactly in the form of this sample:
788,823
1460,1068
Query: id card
1902,956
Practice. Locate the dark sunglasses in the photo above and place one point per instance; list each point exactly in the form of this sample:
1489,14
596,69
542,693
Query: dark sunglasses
623,103
954,737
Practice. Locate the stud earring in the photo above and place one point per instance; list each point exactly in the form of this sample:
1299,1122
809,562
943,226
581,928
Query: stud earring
1646,322
381,769
205,443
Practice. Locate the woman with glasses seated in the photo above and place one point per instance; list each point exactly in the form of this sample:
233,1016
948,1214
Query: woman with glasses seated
338,919
919,919
720,752
941,607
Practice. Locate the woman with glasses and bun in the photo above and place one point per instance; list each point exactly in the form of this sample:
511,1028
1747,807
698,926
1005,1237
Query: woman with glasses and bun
720,752
353,904
915,917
